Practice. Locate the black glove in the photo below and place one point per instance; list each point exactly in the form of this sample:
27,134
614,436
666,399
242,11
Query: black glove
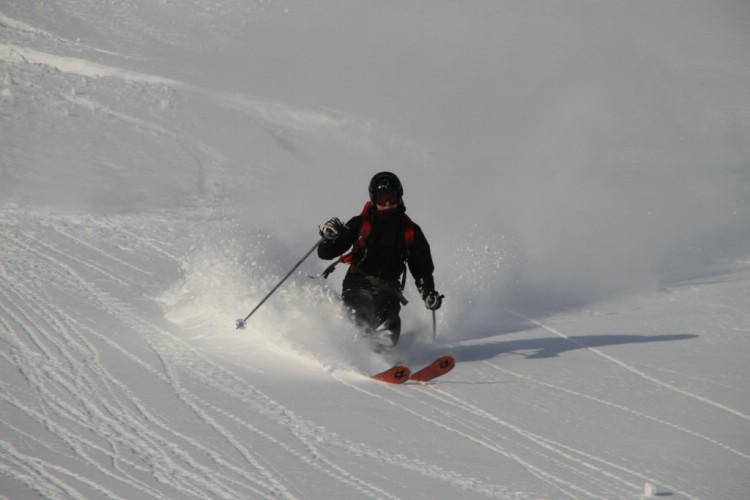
332,229
432,300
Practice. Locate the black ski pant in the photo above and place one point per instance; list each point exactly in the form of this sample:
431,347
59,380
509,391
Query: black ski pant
373,308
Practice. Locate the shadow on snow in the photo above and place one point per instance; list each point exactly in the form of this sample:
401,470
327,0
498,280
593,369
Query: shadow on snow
551,347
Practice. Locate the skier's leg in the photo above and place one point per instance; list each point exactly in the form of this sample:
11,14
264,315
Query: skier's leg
395,329
361,303
375,311
387,311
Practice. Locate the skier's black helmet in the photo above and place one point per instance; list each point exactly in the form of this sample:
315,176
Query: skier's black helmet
385,181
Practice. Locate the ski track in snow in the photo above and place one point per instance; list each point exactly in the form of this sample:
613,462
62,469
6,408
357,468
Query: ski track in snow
623,408
634,370
470,436
600,472
95,416
482,428
55,354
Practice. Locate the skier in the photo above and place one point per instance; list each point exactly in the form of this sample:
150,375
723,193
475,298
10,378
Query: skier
383,239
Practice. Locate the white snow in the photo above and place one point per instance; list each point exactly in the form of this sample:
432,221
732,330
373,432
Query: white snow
581,169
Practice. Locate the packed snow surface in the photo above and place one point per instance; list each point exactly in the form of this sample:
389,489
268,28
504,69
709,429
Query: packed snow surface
580,168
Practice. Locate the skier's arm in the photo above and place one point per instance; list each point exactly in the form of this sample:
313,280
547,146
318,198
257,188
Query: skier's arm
420,259
421,267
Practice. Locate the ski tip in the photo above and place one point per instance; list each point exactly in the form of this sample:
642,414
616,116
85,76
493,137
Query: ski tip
240,323
447,362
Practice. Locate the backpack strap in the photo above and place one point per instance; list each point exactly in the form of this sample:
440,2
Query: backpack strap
364,233
408,233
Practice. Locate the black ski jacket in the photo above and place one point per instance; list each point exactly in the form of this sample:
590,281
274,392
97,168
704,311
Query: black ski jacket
384,252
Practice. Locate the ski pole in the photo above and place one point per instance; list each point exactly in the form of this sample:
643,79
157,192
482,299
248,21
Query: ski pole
434,323
241,322
434,326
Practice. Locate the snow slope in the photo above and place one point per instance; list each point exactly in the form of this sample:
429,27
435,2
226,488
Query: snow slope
581,169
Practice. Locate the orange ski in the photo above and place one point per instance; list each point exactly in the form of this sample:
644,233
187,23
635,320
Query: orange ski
439,367
395,375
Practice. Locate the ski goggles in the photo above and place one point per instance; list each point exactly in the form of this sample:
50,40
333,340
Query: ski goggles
383,197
